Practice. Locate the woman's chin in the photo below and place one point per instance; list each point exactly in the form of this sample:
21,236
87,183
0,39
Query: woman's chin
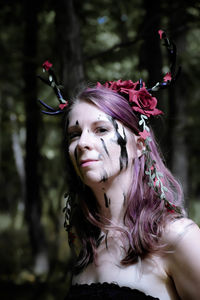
93,180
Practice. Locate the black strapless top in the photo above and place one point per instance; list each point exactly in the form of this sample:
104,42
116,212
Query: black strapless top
105,291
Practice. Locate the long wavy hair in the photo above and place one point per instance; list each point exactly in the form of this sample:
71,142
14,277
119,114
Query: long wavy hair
146,214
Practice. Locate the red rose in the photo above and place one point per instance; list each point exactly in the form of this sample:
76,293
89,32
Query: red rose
47,65
120,86
142,102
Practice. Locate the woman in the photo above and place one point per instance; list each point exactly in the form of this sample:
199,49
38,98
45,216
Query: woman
125,211
132,238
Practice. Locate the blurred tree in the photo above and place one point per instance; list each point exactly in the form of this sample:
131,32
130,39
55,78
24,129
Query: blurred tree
178,117
69,50
33,199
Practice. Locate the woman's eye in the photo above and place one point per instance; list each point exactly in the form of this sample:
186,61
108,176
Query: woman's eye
101,130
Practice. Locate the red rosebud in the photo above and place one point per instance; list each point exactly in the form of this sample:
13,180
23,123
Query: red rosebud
47,65
144,134
168,77
98,85
170,208
160,32
63,105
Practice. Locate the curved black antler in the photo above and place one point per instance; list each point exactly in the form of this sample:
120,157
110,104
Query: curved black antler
171,76
52,82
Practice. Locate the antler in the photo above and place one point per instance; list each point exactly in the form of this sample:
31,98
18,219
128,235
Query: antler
52,82
171,76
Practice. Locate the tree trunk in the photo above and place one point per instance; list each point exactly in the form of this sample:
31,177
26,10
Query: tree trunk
69,55
178,100
33,200
69,45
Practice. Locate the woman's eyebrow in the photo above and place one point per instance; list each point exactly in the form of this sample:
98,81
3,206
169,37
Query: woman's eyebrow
73,127
95,123
100,122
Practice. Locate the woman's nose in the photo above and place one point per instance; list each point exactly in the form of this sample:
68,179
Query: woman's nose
85,141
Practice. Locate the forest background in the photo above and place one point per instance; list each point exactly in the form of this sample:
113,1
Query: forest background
87,41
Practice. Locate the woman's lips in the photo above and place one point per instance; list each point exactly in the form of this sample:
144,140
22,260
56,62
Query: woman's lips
87,162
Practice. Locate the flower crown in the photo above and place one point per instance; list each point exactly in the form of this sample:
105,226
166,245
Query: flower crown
141,101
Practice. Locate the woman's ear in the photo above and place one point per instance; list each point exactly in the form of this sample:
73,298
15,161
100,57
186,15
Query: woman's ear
140,145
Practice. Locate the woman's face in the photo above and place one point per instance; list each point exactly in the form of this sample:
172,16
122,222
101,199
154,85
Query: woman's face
100,147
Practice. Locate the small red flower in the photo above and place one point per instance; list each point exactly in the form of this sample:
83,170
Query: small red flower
143,102
47,65
170,208
160,32
63,105
168,77
144,134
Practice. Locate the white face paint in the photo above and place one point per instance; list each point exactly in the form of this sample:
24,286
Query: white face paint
100,148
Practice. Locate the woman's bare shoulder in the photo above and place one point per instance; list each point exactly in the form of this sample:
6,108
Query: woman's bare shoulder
182,258
176,230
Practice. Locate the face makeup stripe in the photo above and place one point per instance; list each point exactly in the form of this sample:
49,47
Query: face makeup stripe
76,156
77,166
100,239
106,240
104,146
104,177
107,200
123,160
77,123
125,154
124,202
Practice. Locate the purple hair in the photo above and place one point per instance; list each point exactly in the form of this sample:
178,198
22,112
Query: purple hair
146,214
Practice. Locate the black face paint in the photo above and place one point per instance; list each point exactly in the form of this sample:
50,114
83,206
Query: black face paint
100,239
76,155
106,240
77,123
104,146
104,177
124,202
107,200
123,160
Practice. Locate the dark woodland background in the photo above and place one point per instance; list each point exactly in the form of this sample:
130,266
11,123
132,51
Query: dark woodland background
87,41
